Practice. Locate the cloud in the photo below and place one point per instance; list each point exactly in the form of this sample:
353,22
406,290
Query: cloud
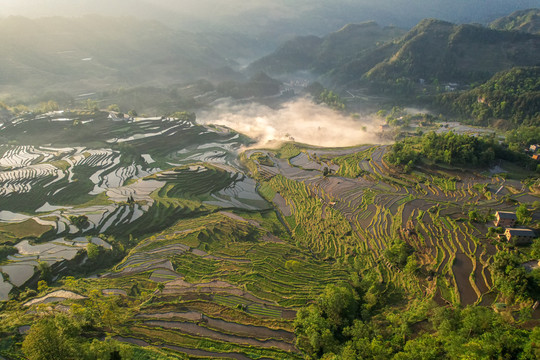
300,120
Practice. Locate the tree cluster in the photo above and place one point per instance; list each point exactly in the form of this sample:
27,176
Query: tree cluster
450,149
340,326
511,278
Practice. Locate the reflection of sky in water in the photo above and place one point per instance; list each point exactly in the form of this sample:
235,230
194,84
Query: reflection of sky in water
5,288
18,274
23,264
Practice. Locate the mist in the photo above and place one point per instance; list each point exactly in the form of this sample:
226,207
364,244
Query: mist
302,121
278,16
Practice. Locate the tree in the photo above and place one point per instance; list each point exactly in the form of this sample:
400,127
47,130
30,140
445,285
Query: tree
113,107
48,106
398,253
523,214
474,216
45,271
51,339
425,347
6,250
509,277
42,286
81,221
93,251
160,287
92,105
535,248
338,304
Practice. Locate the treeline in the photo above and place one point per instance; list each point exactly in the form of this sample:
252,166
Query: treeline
451,149
342,324
512,96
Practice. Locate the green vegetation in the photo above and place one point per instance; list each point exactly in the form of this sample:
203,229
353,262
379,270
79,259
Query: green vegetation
339,324
450,149
324,54
5,251
521,20
350,165
438,51
25,229
288,151
511,279
346,257
512,95
80,221
331,99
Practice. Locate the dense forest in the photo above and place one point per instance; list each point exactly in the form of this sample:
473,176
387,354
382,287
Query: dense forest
509,99
343,325
451,149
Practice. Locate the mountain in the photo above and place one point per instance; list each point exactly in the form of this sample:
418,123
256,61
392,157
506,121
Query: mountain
276,20
434,50
97,53
323,54
522,20
512,96
440,50
258,86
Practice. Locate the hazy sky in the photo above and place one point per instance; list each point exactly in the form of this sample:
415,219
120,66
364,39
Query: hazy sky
307,15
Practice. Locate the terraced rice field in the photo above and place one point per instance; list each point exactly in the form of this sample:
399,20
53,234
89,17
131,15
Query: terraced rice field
227,291
367,205
124,177
220,259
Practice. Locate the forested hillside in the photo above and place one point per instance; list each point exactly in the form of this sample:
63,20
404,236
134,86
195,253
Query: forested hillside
510,98
522,20
439,51
324,54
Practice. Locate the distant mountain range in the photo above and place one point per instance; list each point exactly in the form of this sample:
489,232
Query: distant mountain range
433,50
275,20
457,53
94,53
321,54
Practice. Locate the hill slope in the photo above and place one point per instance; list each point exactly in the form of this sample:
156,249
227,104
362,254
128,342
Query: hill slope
512,95
90,53
460,53
324,54
524,20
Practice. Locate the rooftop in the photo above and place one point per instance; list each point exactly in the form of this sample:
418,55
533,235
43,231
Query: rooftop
521,232
507,215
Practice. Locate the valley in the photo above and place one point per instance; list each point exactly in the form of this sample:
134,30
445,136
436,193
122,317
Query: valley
217,247
371,193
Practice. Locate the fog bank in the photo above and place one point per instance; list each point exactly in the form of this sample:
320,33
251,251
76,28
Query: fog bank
301,121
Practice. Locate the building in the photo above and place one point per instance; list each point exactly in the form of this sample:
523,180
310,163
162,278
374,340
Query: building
519,236
533,148
505,219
